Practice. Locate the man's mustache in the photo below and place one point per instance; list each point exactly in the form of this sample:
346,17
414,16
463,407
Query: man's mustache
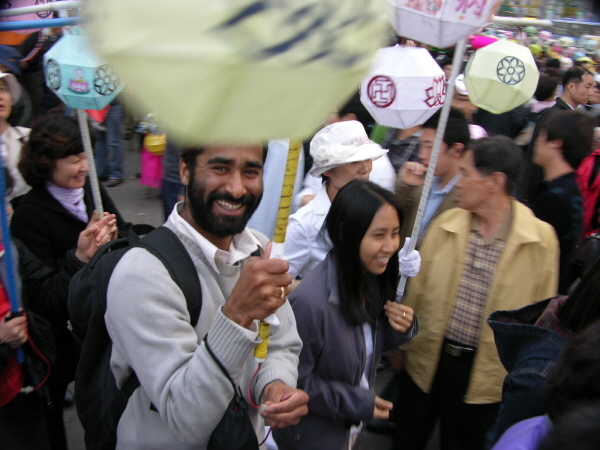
246,199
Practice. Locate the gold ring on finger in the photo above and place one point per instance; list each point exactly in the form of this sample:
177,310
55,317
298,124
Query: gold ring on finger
282,292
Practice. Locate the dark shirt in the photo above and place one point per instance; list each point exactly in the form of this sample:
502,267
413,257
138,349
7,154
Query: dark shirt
400,151
559,203
531,173
508,124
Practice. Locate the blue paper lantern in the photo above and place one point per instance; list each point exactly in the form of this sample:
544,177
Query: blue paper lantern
78,76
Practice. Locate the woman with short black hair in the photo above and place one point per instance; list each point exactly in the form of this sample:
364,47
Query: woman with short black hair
48,220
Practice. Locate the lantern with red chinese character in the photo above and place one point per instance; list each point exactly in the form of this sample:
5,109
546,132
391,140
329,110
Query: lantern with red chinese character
440,23
404,87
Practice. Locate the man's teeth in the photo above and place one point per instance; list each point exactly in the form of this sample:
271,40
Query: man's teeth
228,206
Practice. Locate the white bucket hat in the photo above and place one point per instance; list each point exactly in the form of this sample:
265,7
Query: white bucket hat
459,85
13,86
341,143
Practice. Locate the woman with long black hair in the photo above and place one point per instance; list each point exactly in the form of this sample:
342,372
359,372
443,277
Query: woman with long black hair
346,318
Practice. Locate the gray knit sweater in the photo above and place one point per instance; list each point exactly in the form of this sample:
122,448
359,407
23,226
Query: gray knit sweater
148,321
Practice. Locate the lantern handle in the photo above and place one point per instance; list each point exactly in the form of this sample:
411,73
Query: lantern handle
41,23
87,146
439,135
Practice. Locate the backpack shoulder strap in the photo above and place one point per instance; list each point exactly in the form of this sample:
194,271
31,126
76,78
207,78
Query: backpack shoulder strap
167,247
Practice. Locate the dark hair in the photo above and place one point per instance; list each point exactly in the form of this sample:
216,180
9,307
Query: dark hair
555,74
574,75
348,220
53,136
457,127
574,377
577,429
576,131
498,154
545,89
189,155
582,308
553,63
444,61
355,106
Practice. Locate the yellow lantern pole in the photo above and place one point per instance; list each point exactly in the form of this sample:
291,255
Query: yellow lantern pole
285,203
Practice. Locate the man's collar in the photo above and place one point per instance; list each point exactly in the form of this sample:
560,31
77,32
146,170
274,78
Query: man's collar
562,102
521,229
242,245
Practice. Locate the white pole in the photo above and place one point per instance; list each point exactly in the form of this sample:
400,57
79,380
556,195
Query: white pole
521,21
87,146
456,65
53,6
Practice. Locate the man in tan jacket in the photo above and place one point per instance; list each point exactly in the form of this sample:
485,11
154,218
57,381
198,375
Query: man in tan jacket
491,253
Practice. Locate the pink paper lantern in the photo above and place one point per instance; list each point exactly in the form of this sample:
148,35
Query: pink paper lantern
481,41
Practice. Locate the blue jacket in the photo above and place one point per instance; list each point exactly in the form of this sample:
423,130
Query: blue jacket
332,363
527,353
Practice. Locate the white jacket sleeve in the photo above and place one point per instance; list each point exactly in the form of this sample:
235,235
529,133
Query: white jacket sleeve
297,247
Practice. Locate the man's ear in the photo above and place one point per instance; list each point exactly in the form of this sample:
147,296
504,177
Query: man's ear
184,172
498,180
456,150
556,144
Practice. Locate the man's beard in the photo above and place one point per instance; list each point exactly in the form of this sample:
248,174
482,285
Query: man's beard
218,225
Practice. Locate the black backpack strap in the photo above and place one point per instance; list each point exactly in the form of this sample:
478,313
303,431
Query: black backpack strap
219,363
167,247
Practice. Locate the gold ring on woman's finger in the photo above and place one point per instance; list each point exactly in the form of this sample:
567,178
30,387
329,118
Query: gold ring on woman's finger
282,292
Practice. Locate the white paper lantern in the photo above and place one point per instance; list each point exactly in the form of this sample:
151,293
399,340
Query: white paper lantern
239,70
440,23
501,76
404,87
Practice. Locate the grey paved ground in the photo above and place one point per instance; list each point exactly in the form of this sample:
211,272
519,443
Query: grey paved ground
141,204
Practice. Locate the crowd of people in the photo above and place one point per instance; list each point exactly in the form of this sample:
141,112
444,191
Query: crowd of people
496,337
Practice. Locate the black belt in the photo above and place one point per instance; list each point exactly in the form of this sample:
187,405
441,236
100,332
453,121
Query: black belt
456,349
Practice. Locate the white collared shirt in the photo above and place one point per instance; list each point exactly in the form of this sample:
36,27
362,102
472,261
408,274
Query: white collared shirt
242,245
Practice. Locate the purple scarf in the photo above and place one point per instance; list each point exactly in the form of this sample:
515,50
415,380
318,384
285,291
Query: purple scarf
70,199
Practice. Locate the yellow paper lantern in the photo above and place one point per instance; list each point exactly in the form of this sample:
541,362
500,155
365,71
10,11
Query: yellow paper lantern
501,76
238,71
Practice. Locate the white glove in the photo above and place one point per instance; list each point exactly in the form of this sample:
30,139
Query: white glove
410,263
